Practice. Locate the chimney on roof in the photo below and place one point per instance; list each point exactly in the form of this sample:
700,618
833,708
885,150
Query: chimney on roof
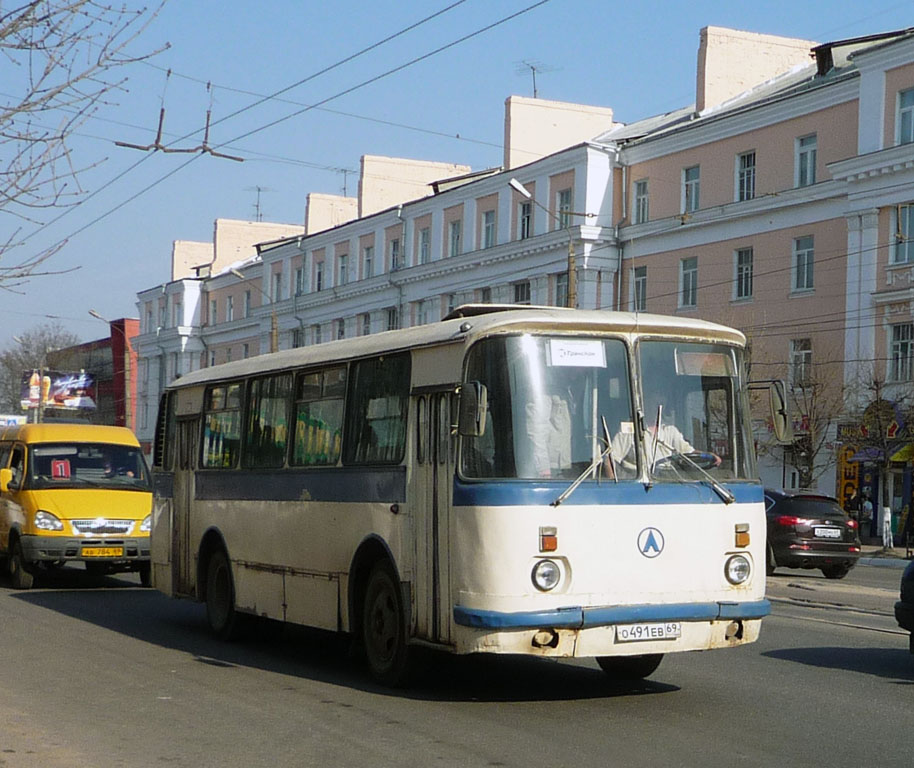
731,61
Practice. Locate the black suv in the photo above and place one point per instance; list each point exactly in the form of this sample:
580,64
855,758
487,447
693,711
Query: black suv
810,530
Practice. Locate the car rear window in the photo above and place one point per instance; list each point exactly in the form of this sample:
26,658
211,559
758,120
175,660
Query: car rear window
810,508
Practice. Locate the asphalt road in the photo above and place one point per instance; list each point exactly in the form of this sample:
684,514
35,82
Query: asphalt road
122,676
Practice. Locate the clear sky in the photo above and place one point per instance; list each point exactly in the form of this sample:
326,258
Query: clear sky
638,58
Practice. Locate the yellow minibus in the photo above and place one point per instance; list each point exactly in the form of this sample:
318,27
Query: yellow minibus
73,492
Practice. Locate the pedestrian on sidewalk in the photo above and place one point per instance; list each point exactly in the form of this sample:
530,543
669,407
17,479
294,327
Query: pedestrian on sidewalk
866,517
887,540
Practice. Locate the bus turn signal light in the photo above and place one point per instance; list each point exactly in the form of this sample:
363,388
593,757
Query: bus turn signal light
549,540
742,534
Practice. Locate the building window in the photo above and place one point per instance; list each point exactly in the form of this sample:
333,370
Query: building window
228,354
806,161
212,358
745,176
903,253
162,315
906,116
522,292
485,295
641,201
425,245
342,264
640,289
561,289
298,338
341,329
691,183
395,254
318,275
213,312
803,253
245,351
277,286
902,352
688,282
800,362
367,261
366,324
454,229
526,220
299,281
421,312
149,328
178,308
316,333
451,302
229,308
564,206
393,319
247,303
743,268
488,229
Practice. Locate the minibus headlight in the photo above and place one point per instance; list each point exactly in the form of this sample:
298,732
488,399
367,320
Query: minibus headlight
45,521
146,525
546,575
737,569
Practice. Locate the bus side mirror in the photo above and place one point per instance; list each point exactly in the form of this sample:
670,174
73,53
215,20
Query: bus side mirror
780,413
6,476
474,398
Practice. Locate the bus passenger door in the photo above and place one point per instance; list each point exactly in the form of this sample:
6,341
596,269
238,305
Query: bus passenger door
186,436
436,468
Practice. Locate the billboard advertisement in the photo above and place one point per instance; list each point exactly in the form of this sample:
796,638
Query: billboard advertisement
56,389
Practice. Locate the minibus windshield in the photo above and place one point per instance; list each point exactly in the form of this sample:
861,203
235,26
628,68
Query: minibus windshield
87,465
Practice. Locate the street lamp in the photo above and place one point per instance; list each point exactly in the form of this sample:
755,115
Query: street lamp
572,300
274,324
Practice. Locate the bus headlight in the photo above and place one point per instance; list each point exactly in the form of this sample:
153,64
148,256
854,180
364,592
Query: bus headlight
546,575
45,521
737,569
146,525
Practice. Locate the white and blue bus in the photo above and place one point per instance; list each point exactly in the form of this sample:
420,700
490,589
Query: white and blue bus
538,481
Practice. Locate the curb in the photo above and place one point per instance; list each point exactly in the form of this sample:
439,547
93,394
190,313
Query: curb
884,562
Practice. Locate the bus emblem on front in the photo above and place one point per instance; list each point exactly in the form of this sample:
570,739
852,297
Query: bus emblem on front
650,542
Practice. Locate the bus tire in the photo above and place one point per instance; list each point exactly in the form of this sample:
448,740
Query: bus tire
626,668
19,573
223,619
384,627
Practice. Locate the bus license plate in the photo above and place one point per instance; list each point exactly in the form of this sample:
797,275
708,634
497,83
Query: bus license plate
102,551
632,633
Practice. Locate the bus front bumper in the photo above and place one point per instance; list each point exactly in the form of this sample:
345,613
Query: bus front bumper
610,630
47,549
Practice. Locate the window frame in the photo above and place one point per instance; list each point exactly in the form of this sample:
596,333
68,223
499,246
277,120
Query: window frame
805,155
803,278
691,189
688,282
641,201
743,274
746,176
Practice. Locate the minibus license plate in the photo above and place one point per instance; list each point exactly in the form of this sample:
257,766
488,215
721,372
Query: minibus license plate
631,633
102,551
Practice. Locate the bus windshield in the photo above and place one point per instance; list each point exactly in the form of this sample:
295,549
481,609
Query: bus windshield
556,403
547,399
87,465
694,411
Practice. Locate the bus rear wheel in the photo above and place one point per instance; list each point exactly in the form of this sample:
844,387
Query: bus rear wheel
19,573
220,597
384,627
630,667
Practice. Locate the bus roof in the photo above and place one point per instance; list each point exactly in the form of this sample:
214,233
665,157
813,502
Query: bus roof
465,330
69,433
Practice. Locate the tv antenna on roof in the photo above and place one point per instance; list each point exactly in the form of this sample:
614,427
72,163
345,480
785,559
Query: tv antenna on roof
533,66
258,213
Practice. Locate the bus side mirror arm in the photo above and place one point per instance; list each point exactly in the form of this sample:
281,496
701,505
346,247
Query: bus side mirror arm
471,419
778,407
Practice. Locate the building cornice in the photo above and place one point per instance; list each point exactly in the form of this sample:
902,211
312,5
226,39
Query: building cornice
879,163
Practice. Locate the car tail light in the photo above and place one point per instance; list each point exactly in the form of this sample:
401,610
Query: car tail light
788,520
852,524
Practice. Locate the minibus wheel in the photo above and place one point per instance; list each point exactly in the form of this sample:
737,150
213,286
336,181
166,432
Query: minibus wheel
630,667
145,572
384,627
220,597
19,574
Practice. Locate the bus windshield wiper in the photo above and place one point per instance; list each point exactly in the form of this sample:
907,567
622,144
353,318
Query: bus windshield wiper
719,489
606,454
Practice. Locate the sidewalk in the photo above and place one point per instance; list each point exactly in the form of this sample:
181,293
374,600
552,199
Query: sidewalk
874,554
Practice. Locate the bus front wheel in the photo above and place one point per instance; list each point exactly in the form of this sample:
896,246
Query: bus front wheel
220,597
19,573
630,667
384,627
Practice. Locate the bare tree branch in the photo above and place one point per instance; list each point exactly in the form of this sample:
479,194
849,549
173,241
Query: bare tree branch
61,60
